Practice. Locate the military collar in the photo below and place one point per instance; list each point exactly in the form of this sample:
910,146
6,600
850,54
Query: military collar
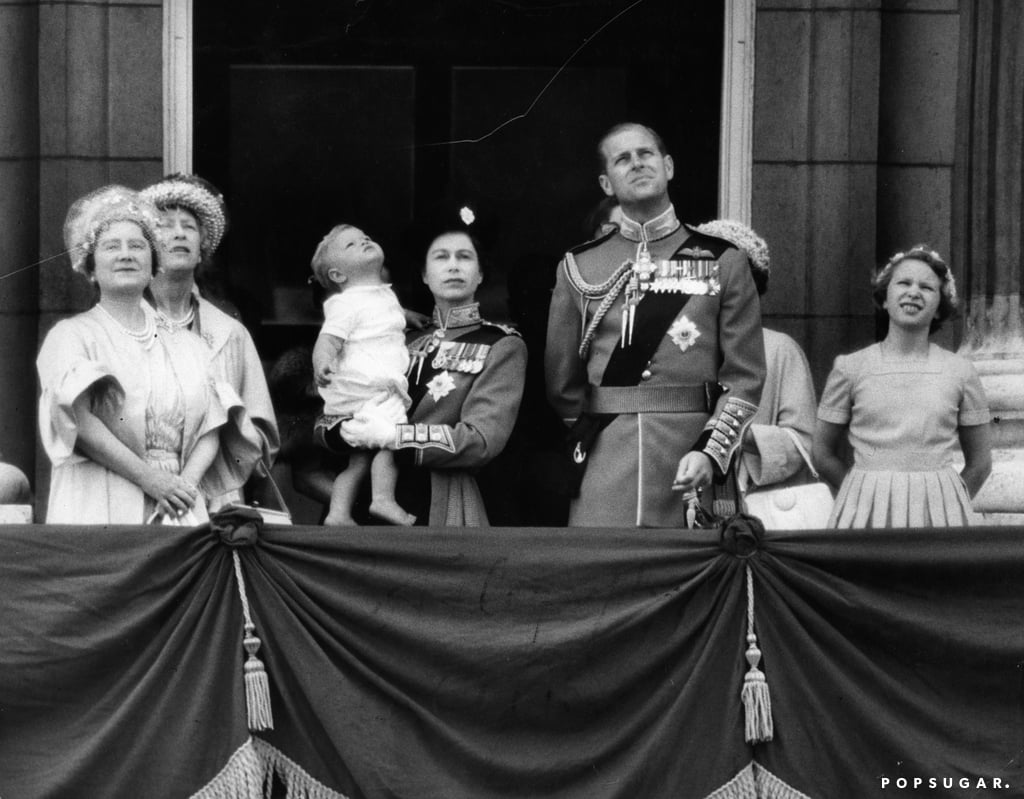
657,228
463,316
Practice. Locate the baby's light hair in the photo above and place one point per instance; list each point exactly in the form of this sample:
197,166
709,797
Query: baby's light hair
319,264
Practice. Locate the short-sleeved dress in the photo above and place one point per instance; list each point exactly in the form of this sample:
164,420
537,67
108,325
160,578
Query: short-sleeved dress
370,321
903,417
156,395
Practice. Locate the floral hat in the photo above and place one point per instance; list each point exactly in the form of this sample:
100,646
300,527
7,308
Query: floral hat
743,237
198,196
90,215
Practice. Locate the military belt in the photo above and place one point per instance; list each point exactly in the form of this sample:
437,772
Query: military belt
650,399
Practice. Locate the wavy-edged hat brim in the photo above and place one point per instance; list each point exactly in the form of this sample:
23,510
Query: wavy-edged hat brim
93,213
744,238
186,191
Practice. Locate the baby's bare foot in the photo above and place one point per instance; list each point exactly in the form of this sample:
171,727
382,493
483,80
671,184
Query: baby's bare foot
391,512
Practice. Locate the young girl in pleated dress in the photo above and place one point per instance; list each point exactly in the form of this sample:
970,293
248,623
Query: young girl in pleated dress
910,410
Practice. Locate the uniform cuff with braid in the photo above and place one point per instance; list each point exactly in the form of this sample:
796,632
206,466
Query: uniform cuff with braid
424,436
722,434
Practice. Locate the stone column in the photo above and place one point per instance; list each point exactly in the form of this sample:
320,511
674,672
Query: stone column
100,115
815,169
988,234
19,220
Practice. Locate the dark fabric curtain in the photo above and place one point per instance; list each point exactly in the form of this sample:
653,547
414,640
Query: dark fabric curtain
513,662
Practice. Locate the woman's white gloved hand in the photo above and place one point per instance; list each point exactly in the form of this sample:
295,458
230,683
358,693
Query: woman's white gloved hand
373,427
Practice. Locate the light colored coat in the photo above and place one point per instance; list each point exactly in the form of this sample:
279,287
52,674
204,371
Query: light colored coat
251,434
769,457
89,353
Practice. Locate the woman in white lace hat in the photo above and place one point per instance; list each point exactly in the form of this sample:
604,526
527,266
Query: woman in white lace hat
128,420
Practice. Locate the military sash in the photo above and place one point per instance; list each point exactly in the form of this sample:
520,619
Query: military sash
656,311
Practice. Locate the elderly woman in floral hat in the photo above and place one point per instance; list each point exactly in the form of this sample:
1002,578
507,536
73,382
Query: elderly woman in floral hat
193,222
127,419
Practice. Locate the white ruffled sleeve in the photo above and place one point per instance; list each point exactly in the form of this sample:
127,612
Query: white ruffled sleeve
66,371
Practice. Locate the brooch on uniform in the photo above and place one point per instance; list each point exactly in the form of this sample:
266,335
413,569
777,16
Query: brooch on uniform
441,386
684,333
420,349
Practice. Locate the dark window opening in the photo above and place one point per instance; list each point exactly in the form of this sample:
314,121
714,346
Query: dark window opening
313,113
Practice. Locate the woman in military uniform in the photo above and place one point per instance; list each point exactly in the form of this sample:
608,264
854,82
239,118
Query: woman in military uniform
466,383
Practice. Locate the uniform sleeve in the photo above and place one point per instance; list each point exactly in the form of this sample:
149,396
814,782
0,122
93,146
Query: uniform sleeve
565,374
66,371
488,413
772,455
742,369
836,404
974,404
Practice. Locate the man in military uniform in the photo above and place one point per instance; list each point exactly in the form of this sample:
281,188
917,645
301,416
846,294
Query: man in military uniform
654,352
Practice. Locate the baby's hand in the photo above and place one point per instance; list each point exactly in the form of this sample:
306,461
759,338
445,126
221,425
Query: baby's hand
415,320
323,375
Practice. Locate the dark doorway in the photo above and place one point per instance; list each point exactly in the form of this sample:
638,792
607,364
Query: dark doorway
379,112
384,113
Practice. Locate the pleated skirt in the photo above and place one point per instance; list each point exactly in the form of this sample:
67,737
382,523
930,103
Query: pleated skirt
881,498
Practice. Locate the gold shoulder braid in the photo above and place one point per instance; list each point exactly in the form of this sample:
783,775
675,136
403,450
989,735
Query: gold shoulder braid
508,330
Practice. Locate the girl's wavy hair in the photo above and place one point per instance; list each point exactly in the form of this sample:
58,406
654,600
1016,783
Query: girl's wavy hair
948,300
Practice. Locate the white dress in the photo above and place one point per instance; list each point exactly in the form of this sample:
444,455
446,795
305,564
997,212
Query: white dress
903,418
374,358
155,395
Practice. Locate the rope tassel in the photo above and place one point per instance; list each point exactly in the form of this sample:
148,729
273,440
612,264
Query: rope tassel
757,700
257,685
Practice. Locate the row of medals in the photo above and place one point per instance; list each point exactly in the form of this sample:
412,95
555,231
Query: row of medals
457,356
684,276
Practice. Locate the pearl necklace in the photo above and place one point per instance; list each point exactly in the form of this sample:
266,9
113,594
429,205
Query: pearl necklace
177,324
145,337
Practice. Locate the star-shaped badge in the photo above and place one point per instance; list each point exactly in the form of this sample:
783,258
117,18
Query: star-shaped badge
441,386
683,332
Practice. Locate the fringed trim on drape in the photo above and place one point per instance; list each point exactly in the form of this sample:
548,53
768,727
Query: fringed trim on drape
757,700
742,786
257,686
250,774
244,777
297,781
756,782
771,787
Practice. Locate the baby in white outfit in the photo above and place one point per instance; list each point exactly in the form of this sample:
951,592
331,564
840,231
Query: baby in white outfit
359,356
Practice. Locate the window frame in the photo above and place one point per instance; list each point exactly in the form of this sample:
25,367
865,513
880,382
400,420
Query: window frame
735,167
